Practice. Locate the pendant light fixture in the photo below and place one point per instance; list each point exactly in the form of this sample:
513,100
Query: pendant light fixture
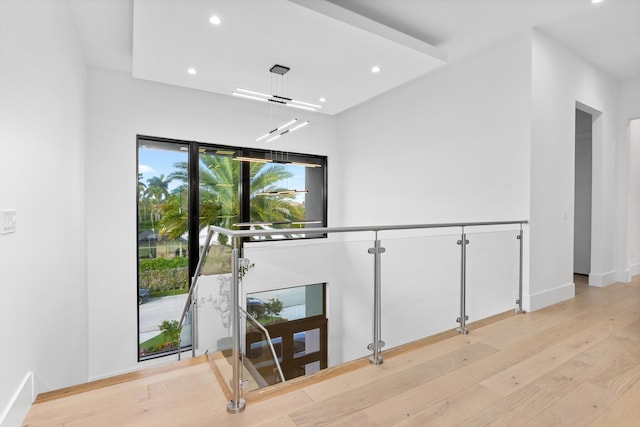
282,193
272,223
275,98
274,135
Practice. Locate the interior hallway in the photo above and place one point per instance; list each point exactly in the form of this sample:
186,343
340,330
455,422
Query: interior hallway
575,363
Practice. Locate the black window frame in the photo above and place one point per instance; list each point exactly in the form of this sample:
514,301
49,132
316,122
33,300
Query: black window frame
244,191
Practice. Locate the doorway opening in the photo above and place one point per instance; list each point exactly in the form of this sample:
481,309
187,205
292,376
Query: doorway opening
583,195
633,235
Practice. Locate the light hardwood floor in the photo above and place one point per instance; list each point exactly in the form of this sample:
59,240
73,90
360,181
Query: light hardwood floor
576,363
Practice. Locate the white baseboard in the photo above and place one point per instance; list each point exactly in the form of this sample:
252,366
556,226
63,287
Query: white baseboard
20,403
625,276
159,361
603,279
551,296
634,270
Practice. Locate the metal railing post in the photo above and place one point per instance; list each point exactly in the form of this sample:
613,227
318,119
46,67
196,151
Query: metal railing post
194,326
462,320
520,237
377,344
236,404
267,335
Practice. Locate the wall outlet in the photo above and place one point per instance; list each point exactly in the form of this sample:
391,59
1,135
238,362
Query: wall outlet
7,221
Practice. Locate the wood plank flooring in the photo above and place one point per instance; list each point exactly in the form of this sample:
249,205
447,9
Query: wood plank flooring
576,363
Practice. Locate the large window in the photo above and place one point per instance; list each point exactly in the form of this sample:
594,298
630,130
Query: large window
185,186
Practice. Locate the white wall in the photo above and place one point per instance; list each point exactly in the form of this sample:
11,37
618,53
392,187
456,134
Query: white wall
450,146
629,178
43,316
560,79
121,107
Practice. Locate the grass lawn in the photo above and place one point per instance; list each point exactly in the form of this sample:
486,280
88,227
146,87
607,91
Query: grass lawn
154,343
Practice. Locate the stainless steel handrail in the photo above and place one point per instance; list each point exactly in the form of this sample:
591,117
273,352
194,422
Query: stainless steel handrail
266,334
321,230
237,404
192,289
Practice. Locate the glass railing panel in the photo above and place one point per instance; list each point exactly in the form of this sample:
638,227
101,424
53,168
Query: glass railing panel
328,270
420,285
213,298
288,283
492,272
259,364
258,368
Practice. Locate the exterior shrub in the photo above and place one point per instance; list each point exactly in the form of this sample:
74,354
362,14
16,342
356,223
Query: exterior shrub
160,264
164,280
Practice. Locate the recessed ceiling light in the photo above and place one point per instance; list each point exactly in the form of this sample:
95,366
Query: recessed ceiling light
215,20
375,69
323,99
192,71
596,1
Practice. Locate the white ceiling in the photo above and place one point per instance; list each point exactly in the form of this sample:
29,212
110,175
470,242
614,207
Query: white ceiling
331,46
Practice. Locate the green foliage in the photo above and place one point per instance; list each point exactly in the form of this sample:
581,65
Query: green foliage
166,340
244,269
157,187
165,280
219,204
170,330
158,343
265,321
273,307
160,264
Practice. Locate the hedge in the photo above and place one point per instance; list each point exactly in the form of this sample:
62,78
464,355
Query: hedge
159,264
164,280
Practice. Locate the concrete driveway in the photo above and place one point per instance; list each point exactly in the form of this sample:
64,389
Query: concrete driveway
154,310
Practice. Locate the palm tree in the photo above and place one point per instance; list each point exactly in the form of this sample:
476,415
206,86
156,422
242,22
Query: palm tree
158,188
157,192
219,203
142,202
141,186
174,213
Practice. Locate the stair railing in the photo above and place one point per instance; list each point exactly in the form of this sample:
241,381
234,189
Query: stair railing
269,341
191,302
237,404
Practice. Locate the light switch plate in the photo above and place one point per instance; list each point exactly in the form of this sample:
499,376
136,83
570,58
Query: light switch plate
7,221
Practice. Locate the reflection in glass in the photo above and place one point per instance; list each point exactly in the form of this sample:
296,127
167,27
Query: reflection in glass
282,305
295,319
